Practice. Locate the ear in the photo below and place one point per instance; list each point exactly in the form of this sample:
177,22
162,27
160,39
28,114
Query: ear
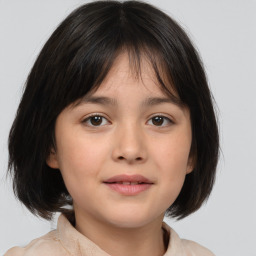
190,165
52,160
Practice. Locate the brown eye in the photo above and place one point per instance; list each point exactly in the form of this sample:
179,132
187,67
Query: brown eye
95,120
158,120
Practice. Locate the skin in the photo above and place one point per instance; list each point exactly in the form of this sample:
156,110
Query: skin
126,140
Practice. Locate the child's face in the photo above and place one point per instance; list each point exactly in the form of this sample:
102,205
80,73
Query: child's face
130,135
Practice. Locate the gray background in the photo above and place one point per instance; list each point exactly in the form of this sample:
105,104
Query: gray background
224,31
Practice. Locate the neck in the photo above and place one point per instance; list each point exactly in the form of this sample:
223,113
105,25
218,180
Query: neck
140,241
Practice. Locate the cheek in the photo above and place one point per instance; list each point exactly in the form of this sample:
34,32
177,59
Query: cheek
79,162
172,159
80,154
172,155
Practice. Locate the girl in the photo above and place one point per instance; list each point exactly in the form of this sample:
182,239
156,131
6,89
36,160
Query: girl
115,130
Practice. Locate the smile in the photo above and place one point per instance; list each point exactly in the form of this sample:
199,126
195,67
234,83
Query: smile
128,185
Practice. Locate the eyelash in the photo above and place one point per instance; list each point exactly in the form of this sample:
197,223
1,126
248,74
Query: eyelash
170,121
88,119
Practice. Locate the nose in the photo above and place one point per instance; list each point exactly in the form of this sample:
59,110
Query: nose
129,145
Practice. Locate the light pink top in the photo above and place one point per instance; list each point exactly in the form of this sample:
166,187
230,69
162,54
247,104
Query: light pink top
66,241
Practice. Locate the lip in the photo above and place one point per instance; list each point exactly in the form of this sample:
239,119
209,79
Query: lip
138,184
128,178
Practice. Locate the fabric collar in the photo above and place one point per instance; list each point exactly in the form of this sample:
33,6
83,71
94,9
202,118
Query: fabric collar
77,244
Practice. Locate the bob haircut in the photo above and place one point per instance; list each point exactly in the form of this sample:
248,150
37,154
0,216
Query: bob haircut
74,61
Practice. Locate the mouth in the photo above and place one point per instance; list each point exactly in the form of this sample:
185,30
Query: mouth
128,179
128,185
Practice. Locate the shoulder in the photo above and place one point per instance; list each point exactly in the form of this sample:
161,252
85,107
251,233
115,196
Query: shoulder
15,251
48,244
192,248
183,247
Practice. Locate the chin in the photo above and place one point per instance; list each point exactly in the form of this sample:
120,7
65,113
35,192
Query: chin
130,219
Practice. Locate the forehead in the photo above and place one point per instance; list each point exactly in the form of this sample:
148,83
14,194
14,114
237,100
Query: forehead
126,71
127,84
123,75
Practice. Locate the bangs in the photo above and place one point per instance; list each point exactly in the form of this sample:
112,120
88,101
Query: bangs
89,56
137,58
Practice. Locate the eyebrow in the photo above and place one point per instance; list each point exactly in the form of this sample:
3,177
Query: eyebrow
100,100
151,101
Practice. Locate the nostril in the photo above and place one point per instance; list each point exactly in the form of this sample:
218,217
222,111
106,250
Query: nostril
137,159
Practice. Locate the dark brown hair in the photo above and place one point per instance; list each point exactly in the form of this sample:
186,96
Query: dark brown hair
74,61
